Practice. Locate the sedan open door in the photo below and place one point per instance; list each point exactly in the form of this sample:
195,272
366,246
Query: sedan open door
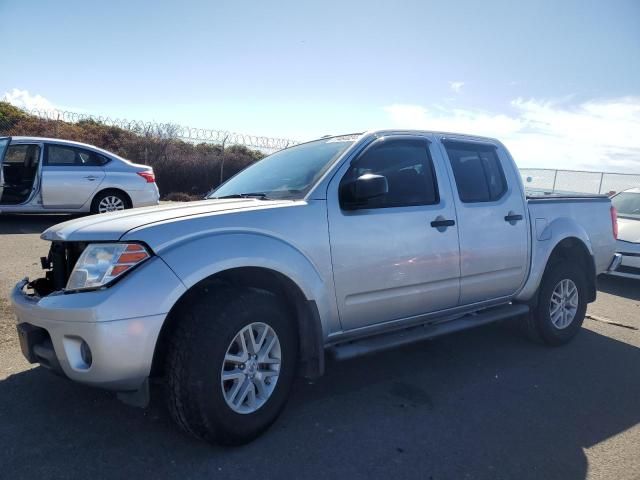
4,143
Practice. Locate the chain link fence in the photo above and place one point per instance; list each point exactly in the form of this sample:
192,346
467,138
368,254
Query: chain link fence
547,181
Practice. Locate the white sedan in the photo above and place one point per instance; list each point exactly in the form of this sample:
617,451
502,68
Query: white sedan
48,175
627,204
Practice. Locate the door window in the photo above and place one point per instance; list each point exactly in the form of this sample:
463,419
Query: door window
23,155
408,168
477,171
66,156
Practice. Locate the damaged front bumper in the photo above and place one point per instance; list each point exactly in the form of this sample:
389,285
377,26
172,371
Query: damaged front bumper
104,338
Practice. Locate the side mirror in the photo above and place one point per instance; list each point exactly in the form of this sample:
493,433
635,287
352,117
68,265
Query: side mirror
369,186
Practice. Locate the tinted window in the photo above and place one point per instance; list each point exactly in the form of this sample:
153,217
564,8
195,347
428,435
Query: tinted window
408,168
64,156
477,171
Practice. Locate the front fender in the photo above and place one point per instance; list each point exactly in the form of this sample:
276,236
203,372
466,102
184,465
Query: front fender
545,239
208,255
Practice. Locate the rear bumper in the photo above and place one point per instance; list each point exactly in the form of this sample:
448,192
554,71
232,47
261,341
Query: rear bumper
627,267
148,196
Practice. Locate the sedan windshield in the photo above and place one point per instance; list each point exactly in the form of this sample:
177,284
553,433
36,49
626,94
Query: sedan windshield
627,204
287,174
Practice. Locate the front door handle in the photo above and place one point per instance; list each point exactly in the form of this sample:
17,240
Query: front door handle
512,218
441,222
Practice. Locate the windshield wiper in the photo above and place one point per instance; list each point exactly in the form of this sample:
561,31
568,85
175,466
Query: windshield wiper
260,195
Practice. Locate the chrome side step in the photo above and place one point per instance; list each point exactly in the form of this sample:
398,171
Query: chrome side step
397,338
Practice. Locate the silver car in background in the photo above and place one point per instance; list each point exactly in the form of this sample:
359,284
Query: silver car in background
627,204
50,175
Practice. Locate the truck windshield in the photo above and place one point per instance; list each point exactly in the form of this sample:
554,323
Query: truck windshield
287,174
627,204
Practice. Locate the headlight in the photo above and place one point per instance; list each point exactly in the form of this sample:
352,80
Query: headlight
101,263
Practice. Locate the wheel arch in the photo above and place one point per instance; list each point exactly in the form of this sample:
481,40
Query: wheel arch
574,250
563,237
303,311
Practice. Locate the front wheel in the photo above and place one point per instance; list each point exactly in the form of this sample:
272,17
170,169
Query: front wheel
562,305
231,365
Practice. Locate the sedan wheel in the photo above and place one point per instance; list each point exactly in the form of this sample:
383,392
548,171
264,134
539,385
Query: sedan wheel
110,203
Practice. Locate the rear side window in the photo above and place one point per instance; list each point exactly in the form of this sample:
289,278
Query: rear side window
66,156
408,168
477,171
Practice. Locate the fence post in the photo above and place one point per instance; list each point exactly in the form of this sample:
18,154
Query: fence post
555,176
224,140
600,186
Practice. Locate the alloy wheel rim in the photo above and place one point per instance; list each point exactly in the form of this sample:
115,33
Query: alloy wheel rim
251,368
564,303
110,204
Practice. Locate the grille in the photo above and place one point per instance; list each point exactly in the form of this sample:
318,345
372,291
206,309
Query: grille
60,262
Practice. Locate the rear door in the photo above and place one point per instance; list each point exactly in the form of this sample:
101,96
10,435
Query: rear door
70,175
397,255
491,220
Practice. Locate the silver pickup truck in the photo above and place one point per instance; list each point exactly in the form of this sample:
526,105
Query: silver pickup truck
343,246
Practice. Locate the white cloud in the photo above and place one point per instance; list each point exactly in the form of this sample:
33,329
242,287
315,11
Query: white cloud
456,86
24,99
598,134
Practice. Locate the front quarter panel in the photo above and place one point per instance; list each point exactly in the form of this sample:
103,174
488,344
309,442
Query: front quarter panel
291,240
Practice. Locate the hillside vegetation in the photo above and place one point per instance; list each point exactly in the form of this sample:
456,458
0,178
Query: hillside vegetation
181,167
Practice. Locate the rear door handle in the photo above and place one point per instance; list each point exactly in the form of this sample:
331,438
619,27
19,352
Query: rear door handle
513,217
91,178
442,223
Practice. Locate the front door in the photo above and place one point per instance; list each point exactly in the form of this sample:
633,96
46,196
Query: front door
493,228
20,169
389,261
70,176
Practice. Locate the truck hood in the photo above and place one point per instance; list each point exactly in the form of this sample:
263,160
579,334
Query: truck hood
112,226
628,230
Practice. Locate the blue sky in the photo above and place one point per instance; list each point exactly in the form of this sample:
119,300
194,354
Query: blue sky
558,82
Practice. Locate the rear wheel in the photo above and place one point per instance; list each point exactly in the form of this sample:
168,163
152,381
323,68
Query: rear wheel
110,201
231,364
562,305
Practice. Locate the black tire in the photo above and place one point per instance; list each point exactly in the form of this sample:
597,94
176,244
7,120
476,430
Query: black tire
109,193
540,326
197,349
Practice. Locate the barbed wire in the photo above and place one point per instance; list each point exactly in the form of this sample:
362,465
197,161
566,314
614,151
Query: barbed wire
190,134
